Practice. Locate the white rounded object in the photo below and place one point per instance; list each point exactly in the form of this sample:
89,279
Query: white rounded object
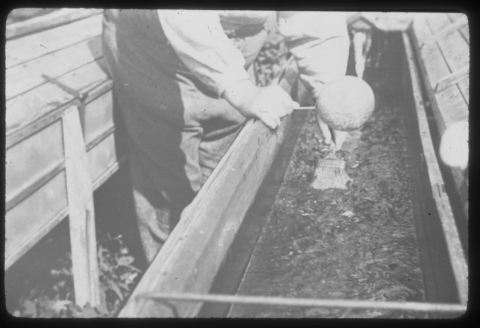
345,104
454,145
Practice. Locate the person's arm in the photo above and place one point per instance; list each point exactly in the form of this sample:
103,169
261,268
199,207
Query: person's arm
320,44
199,40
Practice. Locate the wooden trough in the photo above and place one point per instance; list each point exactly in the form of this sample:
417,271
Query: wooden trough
61,146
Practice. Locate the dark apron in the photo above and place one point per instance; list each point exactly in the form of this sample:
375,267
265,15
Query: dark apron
177,129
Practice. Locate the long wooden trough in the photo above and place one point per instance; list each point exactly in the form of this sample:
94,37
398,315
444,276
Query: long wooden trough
61,145
178,281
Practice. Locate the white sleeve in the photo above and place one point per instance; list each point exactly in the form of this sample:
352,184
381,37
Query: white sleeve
320,44
199,40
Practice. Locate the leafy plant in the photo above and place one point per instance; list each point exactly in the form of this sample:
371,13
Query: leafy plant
55,298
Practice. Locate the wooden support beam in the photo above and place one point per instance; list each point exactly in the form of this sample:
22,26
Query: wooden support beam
23,78
57,18
81,212
191,257
457,256
307,302
440,34
33,46
452,79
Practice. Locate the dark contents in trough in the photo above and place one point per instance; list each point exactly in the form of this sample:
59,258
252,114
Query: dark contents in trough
358,244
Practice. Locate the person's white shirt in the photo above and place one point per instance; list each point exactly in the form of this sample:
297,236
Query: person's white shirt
318,41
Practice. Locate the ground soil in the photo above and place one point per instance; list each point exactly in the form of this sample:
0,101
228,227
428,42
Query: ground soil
358,243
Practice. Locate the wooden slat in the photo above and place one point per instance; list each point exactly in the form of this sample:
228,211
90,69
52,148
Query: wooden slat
464,30
101,157
421,29
464,87
22,50
48,98
24,110
24,222
81,212
86,78
32,158
448,105
57,18
458,76
434,63
98,116
451,106
455,17
22,78
457,256
446,30
309,303
455,51
191,257
437,22
109,172
17,253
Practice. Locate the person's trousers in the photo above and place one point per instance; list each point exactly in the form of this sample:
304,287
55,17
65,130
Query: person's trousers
177,130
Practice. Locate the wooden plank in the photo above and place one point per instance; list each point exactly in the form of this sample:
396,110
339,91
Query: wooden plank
18,252
448,105
455,51
191,257
435,65
464,87
437,22
57,18
464,30
49,98
446,30
32,158
21,50
451,106
309,303
81,212
24,222
455,17
14,199
420,28
87,78
28,76
451,79
109,172
101,157
23,110
457,256
98,116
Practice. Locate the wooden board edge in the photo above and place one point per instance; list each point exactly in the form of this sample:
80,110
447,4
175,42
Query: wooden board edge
32,241
457,256
425,81
210,205
14,136
63,16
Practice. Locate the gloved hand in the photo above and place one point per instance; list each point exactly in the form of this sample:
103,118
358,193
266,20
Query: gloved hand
269,104
339,137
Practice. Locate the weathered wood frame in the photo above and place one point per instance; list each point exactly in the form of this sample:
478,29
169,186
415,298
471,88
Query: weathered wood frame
196,248
184,272
52,103
212,219
446,83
